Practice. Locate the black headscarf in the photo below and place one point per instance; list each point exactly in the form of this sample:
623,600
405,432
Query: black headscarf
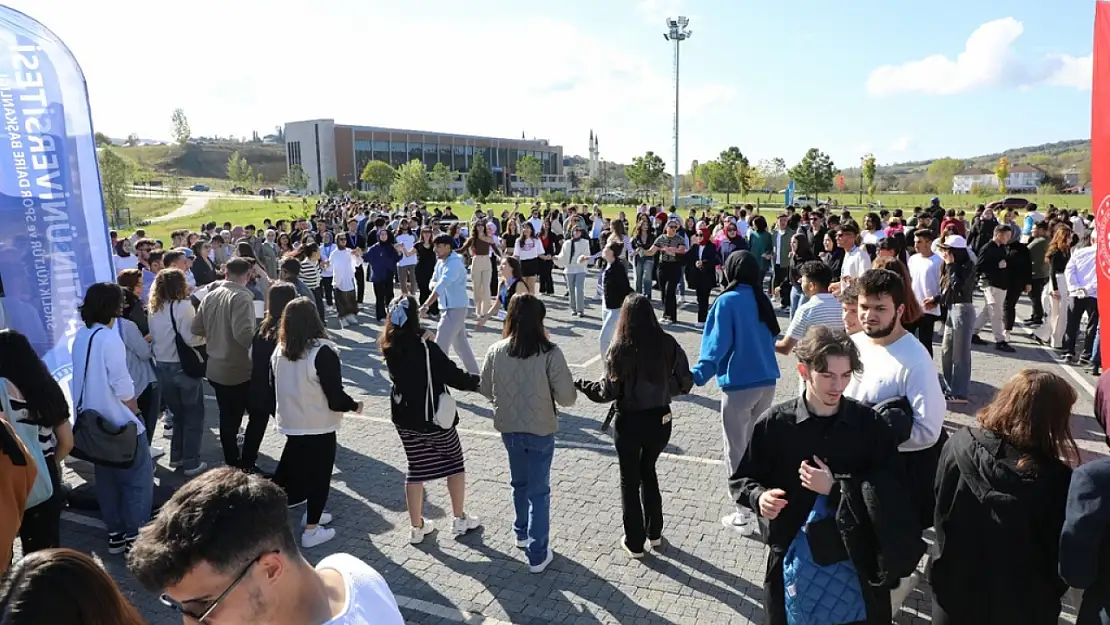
743,268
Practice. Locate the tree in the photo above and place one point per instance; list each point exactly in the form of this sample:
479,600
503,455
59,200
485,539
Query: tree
442,177
379,175
530,170
814,173
772,172
239,171
646,171
175,186
572,178
479,182
941,172
591,183
102,140
733,174
181,131
1002,171
331,187
296,179
132,140
411,183
116,174
868,170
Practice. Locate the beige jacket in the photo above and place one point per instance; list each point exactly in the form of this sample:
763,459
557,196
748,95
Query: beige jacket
524,391
226,319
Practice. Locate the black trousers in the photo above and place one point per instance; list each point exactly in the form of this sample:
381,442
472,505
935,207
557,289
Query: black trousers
423,282
1009,306
924,331
232,403
547,283
638,447
148,411
318,295
326,284
703,292
42,524
1035,295
304,471
383,294
360,283
669,273
257,420
780,279
1079,306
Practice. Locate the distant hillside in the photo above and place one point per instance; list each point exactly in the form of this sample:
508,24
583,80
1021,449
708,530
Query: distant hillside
208,160
1062,155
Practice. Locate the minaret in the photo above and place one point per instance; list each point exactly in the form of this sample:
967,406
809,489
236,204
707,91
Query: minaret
594,167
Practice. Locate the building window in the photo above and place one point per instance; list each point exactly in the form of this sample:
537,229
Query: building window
293,153
398,151
511,162
381,151
460,158
503,158
416,151
431,155
445,155
469,156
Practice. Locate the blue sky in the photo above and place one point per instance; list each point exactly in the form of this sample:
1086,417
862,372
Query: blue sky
773,77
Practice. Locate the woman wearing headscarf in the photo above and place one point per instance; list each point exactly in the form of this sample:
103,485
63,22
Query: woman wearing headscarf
738,346
701,270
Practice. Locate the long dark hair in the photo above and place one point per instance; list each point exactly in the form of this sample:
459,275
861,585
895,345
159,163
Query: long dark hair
742,268
300,328
25,370
63,587
395,336
514,263
524,327
803,250
279,295
638,343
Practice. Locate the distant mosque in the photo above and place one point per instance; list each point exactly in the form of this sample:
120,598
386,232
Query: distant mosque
595,159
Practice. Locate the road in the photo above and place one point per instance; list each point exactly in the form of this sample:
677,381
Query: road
705,573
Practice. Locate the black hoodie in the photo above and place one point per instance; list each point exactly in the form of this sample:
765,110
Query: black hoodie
998,529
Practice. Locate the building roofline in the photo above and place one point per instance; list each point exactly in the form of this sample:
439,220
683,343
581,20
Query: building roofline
538,142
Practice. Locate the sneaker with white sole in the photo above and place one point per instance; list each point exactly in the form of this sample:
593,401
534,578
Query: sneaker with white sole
296,504
325,518
195,471
539,568
739,522
460,526
316,537
655,542
116,543
156,452
167,431
522,543
417,534
342,323
636,555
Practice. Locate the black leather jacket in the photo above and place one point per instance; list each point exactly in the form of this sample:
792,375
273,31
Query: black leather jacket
640,393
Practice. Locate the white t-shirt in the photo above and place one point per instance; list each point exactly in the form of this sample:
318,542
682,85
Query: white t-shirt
343,263
856,263
407,242
873,238
742,227
925,279
901,369
527,249
369,600
126,262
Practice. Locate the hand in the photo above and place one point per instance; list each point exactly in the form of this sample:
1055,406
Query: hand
778,291
583,258
148,338
429,335
423,311
1001,264
698,264
928,302
481,322
819,479
1028,288
834,288
1056,295
771,502
358,407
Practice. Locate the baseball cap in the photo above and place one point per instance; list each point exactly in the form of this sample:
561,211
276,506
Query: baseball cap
954,241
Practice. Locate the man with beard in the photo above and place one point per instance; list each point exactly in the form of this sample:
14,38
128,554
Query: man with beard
896,365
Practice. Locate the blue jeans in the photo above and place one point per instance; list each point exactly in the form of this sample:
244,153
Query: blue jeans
955,348
126,495
185,398
576,291
530,473
645,269
797,298
609,318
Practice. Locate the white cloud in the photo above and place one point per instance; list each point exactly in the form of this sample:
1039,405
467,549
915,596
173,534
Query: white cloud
376,64
901,144
988,59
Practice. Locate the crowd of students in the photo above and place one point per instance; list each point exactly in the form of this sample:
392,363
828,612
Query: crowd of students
840,482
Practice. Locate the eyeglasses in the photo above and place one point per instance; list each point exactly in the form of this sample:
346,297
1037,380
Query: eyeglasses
176,606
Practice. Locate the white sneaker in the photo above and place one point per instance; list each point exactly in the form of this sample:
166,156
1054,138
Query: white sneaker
325,518
523,543
316,537
465,524
656,542
167,431
417,534
699,325
342,323
740,522
538,568
156,452
195,471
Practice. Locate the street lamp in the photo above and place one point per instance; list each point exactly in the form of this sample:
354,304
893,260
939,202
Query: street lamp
676,32
861,161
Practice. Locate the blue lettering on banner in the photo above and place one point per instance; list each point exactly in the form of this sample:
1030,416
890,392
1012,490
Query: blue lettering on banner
53,233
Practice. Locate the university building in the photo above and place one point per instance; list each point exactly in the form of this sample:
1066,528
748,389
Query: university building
325,149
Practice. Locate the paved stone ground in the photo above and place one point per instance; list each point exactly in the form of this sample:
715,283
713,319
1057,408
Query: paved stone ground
705,573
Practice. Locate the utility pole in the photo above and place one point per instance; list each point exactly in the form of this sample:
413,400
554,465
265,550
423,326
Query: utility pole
676,32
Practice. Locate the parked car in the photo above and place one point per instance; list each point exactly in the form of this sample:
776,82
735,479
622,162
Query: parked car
266,192
1008,203
201,187
238,190
694,200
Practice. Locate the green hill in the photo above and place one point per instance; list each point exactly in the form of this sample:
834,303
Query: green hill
207,160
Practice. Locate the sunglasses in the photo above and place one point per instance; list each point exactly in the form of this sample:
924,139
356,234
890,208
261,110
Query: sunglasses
178,607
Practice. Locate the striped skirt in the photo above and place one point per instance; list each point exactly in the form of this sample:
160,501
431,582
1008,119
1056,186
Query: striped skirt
431,455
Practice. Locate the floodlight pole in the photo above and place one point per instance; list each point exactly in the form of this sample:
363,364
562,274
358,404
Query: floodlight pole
677,32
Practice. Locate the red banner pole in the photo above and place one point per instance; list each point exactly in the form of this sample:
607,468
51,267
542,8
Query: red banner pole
1100,158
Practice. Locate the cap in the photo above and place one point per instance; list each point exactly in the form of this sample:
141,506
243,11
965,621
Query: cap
954,241
188,253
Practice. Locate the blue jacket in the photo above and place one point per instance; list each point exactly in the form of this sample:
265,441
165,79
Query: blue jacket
449,279
383,262
735,345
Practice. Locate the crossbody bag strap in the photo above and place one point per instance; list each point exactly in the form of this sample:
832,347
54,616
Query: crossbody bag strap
85,376
429,401
173,322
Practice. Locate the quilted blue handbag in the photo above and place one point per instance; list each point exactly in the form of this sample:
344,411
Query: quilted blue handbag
817,594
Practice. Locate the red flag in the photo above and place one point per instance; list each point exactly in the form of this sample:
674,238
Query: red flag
1100,156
